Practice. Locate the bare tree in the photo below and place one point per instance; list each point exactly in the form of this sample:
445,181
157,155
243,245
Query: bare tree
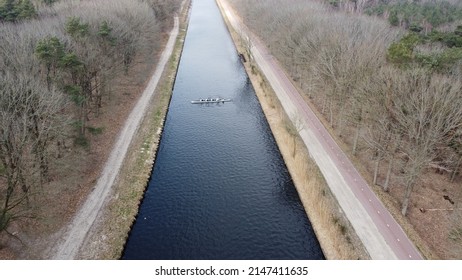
30,118
427,108
45,63
381,134
406,117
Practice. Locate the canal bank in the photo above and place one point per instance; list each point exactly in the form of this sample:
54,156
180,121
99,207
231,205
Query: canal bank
219,188
333,230
107,238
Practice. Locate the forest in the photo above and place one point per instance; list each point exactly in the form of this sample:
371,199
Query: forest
61,62
391,92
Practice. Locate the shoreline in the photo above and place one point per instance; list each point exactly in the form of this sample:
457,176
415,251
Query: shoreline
107,238
335,234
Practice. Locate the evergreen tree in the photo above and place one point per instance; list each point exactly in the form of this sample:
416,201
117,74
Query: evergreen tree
75,28
25,9
393,18
50,51
8,11
49,2
13,10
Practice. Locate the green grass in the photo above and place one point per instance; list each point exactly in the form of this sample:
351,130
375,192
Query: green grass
95,130
82,141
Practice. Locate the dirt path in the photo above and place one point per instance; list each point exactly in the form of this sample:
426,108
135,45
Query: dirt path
73,238
382,236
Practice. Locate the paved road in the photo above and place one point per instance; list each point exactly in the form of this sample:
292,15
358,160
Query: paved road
75,235
382,236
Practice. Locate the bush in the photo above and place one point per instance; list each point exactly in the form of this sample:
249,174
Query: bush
414,13
402,52
13,10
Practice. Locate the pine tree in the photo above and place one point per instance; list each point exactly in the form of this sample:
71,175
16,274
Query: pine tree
8,11
25,9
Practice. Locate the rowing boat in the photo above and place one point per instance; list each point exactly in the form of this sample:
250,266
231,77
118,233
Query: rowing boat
210,100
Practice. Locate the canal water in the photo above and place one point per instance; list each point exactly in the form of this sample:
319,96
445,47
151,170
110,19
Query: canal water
219,187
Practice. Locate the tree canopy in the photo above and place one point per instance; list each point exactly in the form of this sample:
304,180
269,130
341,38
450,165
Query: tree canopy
439,51
416,13
14,10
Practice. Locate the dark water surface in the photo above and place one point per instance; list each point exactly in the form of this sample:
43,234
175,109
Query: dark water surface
219,187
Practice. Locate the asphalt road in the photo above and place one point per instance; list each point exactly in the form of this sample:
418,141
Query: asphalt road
382,236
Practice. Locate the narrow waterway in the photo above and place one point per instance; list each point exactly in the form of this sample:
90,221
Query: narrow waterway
219,187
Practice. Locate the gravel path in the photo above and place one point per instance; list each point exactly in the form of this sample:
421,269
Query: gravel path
382,236
70,243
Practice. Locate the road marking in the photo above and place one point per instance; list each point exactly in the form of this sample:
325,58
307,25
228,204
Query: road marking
410,256
378,211
397,239
362,189
370,200
388,225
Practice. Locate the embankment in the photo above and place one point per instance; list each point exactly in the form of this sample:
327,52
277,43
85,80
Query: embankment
107,237
336,236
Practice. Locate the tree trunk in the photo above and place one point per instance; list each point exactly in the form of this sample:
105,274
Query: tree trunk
331,114
387,180
43,160
456,168
340,122
376,170
83,118
355,140
407,197
58,149
48,76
